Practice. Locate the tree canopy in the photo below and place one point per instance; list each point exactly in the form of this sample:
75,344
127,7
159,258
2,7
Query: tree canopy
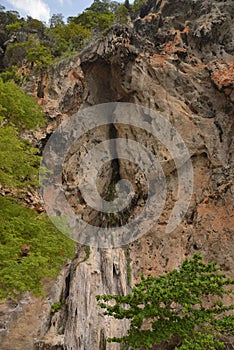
18,158
30,247
18,108
122,15
30,40
184,306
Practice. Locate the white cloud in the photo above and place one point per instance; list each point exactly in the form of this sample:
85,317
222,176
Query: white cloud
34,8
63,1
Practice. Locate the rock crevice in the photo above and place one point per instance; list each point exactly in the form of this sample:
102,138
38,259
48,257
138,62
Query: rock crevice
176,58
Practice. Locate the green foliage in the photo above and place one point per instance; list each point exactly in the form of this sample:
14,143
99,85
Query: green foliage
18,108
59,39
90,19
19,161
47,249
127,4
176,307
16,53
67,38
31,50
38,54
13,27
87,252
30,247
57,20
137,5
121,15
100,15
56,307
100,6
113,5
8,17
35,25
10,74
18,158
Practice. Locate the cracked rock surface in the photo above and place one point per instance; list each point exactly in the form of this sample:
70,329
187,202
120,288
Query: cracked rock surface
177,59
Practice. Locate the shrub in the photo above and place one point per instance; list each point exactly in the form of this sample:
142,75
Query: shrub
56,307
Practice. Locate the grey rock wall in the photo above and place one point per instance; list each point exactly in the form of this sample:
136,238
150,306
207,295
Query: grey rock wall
176,59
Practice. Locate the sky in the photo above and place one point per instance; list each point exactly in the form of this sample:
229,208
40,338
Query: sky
44,9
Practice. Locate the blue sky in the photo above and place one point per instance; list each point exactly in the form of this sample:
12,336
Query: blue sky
43,9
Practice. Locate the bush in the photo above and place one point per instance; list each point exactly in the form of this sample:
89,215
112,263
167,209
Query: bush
56,307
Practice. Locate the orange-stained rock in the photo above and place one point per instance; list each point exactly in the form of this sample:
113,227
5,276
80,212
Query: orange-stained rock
176,59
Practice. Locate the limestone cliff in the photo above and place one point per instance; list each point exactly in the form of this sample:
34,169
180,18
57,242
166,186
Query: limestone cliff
176,58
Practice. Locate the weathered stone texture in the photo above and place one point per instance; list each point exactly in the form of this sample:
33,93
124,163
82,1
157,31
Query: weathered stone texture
177,59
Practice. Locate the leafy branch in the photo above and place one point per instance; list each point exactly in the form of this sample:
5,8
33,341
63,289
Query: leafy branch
184,305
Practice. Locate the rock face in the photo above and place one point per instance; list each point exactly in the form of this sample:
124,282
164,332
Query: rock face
177,59
91,273
60,92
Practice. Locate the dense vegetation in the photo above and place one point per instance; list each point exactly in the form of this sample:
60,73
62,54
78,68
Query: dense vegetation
184,307
30,41
174,306
31,248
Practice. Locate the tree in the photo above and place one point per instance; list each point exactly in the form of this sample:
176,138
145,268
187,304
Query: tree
100,6
13,27
8,17
121,15
138,4
32,50
100,15
39,54
30,249
113,6
18,159
57,20
67,38
183,306
90,19
18,108
34,24
15,54
127,4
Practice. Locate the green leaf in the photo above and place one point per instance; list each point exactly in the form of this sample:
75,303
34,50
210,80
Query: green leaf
173,308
